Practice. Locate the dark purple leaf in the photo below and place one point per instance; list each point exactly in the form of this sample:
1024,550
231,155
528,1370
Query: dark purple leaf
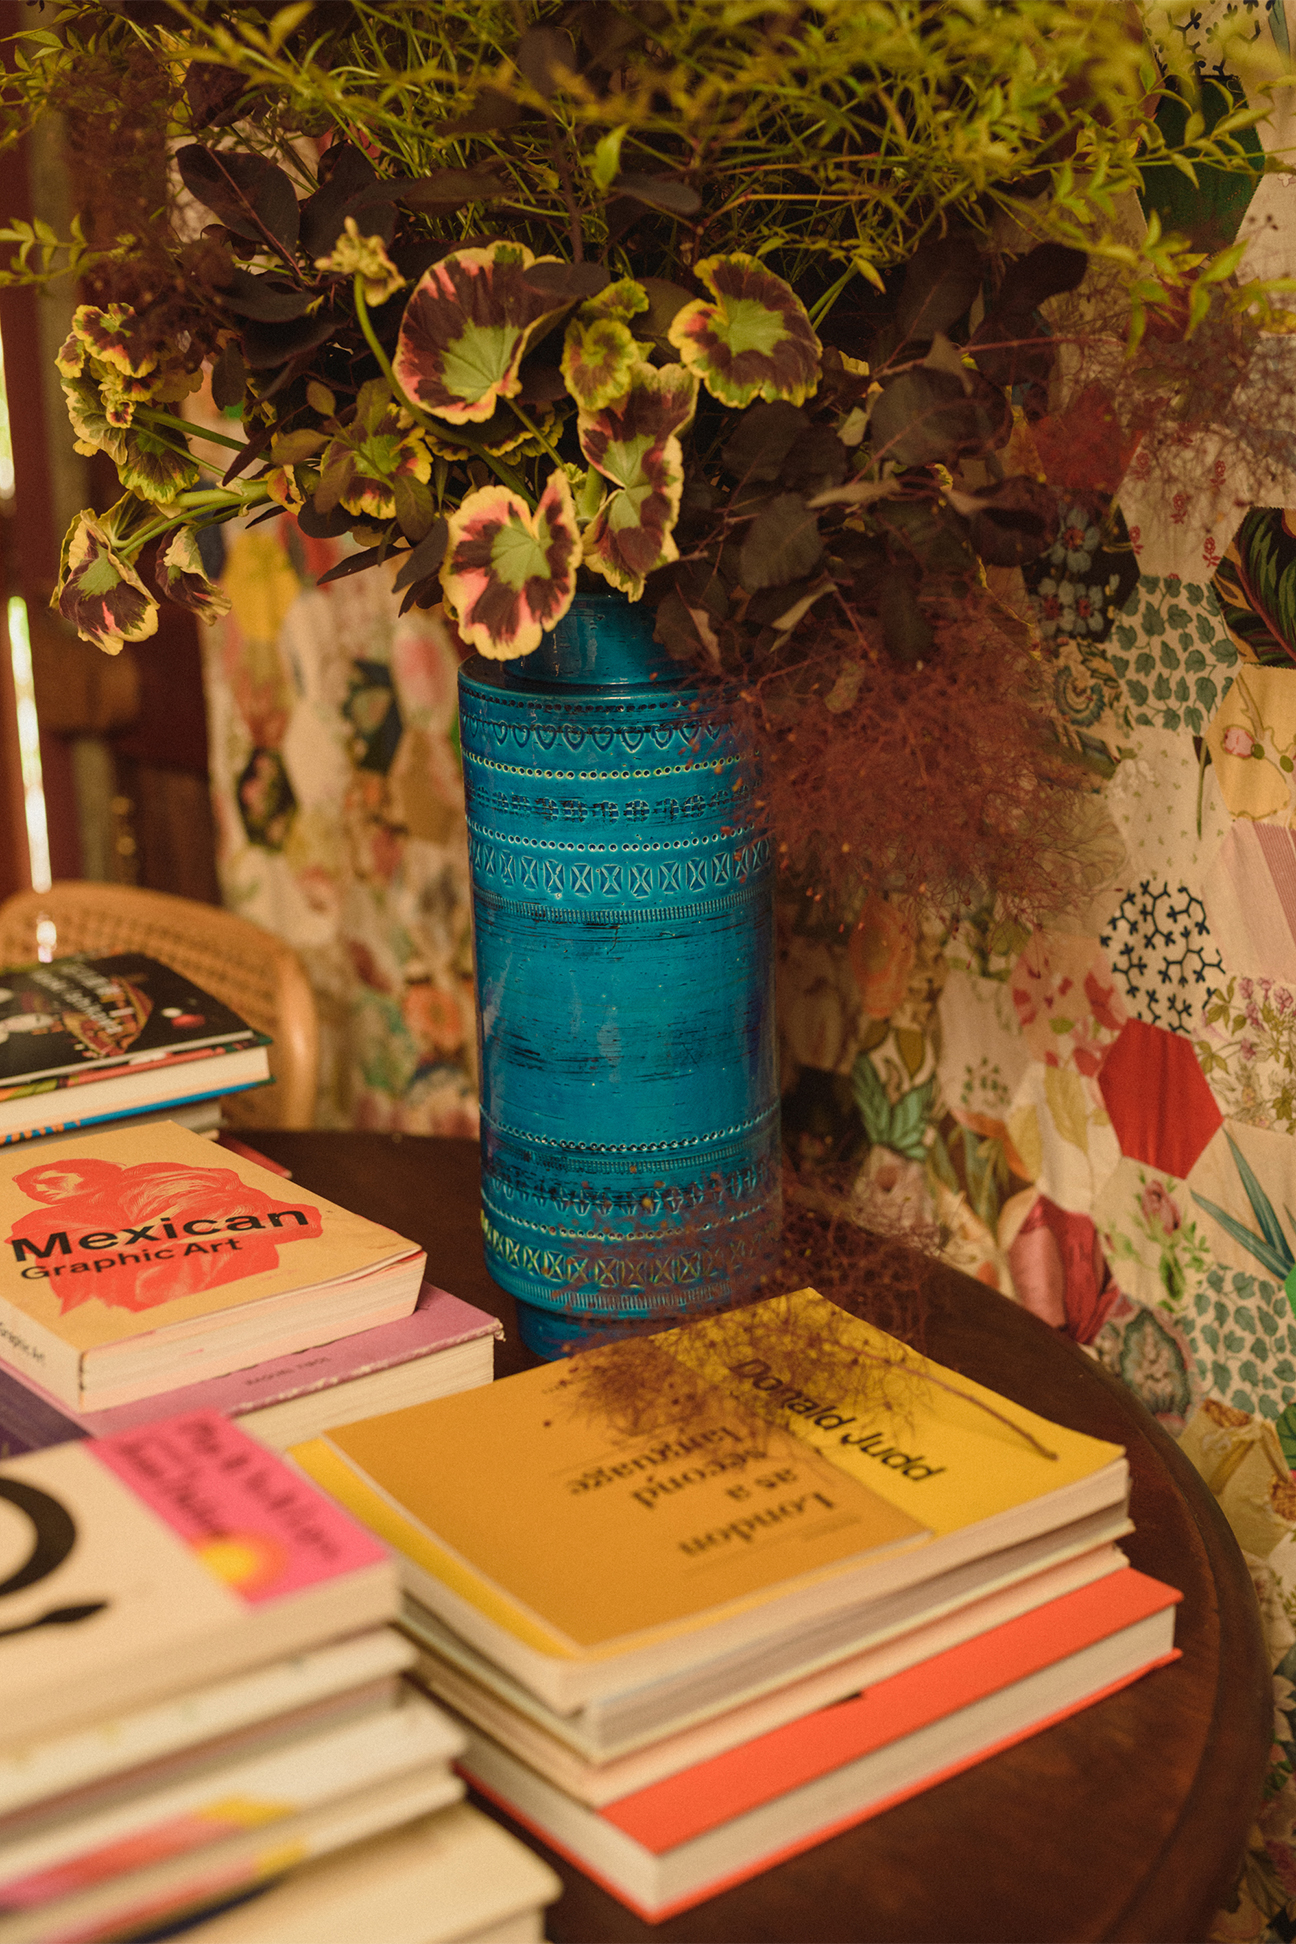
621,215
905,628
766,434
1046,271
677,630
424,559
267,299
490,111
541,384
923,416
659,192
229,376
1010,349
414,507
568,282
818,459
447,189
324,526
213,93
353,564
268,345
249,195
940,281
540,53
348,186
782,544
1016,521
256,445
423,594
664,300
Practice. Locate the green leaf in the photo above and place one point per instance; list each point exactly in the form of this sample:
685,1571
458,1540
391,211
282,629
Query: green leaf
1261,1206
871,1099
607,157
909,1122
1285,1426
1278,1264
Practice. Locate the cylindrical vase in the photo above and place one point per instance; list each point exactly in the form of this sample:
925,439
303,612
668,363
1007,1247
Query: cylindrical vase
623,935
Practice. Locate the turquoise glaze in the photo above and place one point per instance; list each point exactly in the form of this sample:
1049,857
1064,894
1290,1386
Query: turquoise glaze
624,949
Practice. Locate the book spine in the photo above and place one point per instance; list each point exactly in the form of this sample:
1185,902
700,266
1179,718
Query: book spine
35,1351
29,1422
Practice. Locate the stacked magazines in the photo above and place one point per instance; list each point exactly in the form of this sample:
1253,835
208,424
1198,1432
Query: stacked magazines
202,1693
702,1601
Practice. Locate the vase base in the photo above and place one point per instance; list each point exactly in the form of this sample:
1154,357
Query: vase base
554,1333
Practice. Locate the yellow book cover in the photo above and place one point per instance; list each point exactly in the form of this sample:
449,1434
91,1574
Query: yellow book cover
577,1538
534,1513
107,1239
939,1446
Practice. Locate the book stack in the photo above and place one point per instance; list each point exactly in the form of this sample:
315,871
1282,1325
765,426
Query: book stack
202,1694
144,1274
681,1651
85,1041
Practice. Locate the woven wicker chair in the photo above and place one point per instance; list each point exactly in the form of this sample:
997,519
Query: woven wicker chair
250,969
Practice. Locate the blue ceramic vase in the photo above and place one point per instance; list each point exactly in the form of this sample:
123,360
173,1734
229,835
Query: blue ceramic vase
624,954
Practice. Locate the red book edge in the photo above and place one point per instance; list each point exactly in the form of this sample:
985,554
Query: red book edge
712,1792
746,1871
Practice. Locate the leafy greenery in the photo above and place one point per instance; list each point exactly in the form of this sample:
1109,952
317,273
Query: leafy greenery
730,304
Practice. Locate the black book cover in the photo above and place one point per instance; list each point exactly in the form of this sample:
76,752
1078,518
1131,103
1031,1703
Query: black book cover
78,1016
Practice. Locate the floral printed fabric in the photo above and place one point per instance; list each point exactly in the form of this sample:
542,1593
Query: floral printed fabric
340,821
1098,1117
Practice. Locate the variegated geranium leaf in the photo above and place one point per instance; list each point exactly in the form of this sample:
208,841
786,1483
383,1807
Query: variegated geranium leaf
153,467
91,429
503,433
599,352
509,574
754,341
599,356
178,572
98,590
624,299
466,329
635,444
359,469
108,338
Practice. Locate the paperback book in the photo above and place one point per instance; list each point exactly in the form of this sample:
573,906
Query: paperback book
586,1561
667,1846
450,1877
170,1557
444,1346
136,1261
85,1040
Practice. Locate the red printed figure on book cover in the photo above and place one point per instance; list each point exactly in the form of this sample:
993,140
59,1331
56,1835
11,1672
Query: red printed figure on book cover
142,1235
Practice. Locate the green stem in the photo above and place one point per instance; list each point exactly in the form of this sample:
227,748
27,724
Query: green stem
154,417
535,431
502,472
200,502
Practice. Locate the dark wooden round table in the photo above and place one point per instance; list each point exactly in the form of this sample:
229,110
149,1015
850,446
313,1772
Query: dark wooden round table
1126,1822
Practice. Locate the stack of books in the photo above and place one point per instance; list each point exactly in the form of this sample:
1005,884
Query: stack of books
85,1041
682,1651
202,1692
144,1273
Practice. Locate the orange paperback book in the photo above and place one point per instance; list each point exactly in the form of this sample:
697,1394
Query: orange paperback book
139,1260
666,1847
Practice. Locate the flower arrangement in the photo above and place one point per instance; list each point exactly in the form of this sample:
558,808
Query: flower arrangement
735,310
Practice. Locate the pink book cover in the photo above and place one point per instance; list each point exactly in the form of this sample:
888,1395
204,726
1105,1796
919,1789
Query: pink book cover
439,1321
261,1527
